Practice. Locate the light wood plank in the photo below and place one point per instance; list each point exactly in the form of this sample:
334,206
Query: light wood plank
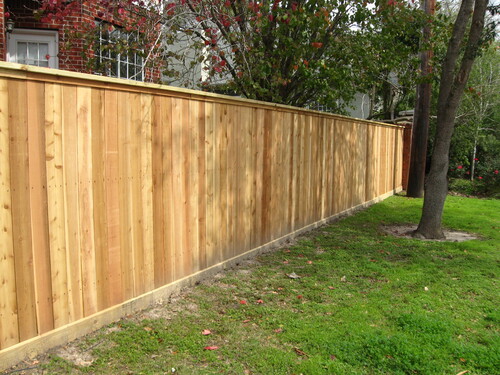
192,154
9,330
180,201
169,215
125,193
202,187
158,157
39,211
210,183
86,200
147,191
71,203
55,195
100,220
112,197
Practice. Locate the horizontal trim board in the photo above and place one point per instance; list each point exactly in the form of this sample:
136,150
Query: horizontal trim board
35,73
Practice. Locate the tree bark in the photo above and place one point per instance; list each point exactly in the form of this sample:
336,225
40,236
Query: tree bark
421,117
451,88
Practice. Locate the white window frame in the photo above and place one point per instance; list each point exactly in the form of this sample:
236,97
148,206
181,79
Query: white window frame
34,36
104,57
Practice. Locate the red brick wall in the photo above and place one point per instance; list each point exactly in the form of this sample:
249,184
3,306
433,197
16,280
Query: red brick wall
74,59
3,45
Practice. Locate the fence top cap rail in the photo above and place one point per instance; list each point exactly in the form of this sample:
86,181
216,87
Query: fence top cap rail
20,71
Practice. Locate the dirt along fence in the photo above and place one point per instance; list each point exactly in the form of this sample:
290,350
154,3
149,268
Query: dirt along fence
114,193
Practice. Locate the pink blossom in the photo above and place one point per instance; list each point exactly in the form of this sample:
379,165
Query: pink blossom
459,167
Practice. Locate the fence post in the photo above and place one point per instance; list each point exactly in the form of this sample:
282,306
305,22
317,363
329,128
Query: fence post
407,133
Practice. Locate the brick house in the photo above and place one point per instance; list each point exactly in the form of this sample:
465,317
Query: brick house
41,41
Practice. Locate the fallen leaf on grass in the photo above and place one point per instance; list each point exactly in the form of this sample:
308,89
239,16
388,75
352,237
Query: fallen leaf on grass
206,332
285,262
243,302
246,321
293,275
463,372
309,262
300,352
343,279
278,330
259,301
211,347
148,329
333,358
331,287
299,296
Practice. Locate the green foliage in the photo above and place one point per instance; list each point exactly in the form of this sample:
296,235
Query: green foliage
303,52
366,303
484,187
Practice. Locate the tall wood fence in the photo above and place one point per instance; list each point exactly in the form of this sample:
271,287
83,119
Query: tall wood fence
112,190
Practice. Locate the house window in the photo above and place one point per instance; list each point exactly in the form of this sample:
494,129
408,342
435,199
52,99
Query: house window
118,53
33,47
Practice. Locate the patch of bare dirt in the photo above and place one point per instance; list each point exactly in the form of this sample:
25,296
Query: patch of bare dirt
71,353
406,231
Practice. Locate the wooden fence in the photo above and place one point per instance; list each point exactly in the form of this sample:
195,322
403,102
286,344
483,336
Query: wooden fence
112,190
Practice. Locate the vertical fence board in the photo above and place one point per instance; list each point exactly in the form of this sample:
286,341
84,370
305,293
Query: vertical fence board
191,154
100,220
21,211
21,223
112,197
39,209
71,199
169,215
146,178
210,182
158,154
86,200
9,330
258,162
202,191
178,191
55,194
125,193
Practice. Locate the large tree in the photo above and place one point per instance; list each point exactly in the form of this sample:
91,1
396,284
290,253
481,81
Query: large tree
463,48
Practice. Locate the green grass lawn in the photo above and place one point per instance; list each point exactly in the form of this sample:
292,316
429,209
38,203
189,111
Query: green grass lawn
365,303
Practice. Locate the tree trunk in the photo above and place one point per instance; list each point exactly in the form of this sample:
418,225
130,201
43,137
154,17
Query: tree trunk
421,117
450,92
418,155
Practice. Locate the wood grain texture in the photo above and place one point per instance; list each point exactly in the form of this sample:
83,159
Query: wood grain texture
55,195
9,330
39,205
71,205
87,208
111,191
